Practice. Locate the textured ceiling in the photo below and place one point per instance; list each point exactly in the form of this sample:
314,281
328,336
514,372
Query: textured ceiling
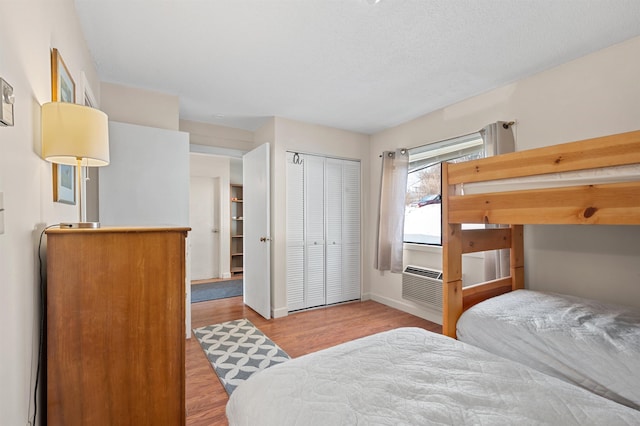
349,64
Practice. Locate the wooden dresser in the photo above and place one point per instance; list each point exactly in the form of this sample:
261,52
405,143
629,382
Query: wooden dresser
115,317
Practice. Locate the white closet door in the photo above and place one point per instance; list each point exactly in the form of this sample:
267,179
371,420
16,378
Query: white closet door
334,199
323,231
350,230
314,228
295,232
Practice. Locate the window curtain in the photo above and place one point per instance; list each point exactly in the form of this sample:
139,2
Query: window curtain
393,190
498,139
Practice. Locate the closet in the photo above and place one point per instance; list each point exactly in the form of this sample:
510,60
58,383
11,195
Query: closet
323,230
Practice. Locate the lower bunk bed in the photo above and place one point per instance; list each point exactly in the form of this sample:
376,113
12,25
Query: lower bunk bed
410,376
591,344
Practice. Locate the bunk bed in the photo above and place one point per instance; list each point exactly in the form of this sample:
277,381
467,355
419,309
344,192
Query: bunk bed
412,376
589,343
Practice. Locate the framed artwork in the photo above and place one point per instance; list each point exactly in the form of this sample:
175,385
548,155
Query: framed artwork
64,184
63,89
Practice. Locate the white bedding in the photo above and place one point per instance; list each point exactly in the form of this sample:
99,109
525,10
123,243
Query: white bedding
592,344
626,173
410,376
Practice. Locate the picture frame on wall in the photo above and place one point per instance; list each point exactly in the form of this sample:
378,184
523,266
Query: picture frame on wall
64,184
63,89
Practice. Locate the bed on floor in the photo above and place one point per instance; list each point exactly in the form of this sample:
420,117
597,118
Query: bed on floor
588,343
412,376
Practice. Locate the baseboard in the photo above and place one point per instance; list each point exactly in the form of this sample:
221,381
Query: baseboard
283,312
280,312
226,275
422,312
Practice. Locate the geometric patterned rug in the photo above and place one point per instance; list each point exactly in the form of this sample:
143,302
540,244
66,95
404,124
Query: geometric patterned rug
237,349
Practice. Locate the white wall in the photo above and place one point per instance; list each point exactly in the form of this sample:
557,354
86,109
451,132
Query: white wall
147,181
207,134
28,30
596,95
139,106
215,166
235,170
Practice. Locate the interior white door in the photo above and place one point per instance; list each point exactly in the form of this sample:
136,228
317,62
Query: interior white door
205,229
351,230
295,231
314,231
333,223
257,234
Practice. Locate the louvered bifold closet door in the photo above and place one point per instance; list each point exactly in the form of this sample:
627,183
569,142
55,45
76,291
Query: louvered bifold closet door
351,230
295,232
333,196
314,228
323,231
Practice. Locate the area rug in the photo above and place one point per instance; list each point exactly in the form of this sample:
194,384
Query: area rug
237,350
216,290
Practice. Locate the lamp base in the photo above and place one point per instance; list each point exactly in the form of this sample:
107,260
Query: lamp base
76,225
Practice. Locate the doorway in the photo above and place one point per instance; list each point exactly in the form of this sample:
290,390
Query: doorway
210,211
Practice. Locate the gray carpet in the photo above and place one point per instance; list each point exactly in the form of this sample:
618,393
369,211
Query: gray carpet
217,290
237,349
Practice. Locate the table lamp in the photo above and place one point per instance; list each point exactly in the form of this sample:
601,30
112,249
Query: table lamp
75,135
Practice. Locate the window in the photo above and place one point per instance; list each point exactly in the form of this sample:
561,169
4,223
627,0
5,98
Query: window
423,210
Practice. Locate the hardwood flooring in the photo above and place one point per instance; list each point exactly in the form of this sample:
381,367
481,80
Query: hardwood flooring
298,334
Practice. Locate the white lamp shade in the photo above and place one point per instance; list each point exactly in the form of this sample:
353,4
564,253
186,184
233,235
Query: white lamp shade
71,132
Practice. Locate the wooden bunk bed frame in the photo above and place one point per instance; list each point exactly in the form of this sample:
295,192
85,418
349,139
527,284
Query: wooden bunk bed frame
611,203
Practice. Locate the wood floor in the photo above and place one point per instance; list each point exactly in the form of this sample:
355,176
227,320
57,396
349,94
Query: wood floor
297,334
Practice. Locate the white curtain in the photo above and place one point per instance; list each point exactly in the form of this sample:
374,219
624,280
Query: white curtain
498,139
393,190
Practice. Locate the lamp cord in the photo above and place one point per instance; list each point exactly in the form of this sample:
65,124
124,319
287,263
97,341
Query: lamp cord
41,338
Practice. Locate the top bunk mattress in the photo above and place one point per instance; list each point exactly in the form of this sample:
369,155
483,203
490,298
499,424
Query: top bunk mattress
410,376
626,173
592,344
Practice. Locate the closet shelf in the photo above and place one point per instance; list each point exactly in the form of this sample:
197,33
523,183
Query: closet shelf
237,229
